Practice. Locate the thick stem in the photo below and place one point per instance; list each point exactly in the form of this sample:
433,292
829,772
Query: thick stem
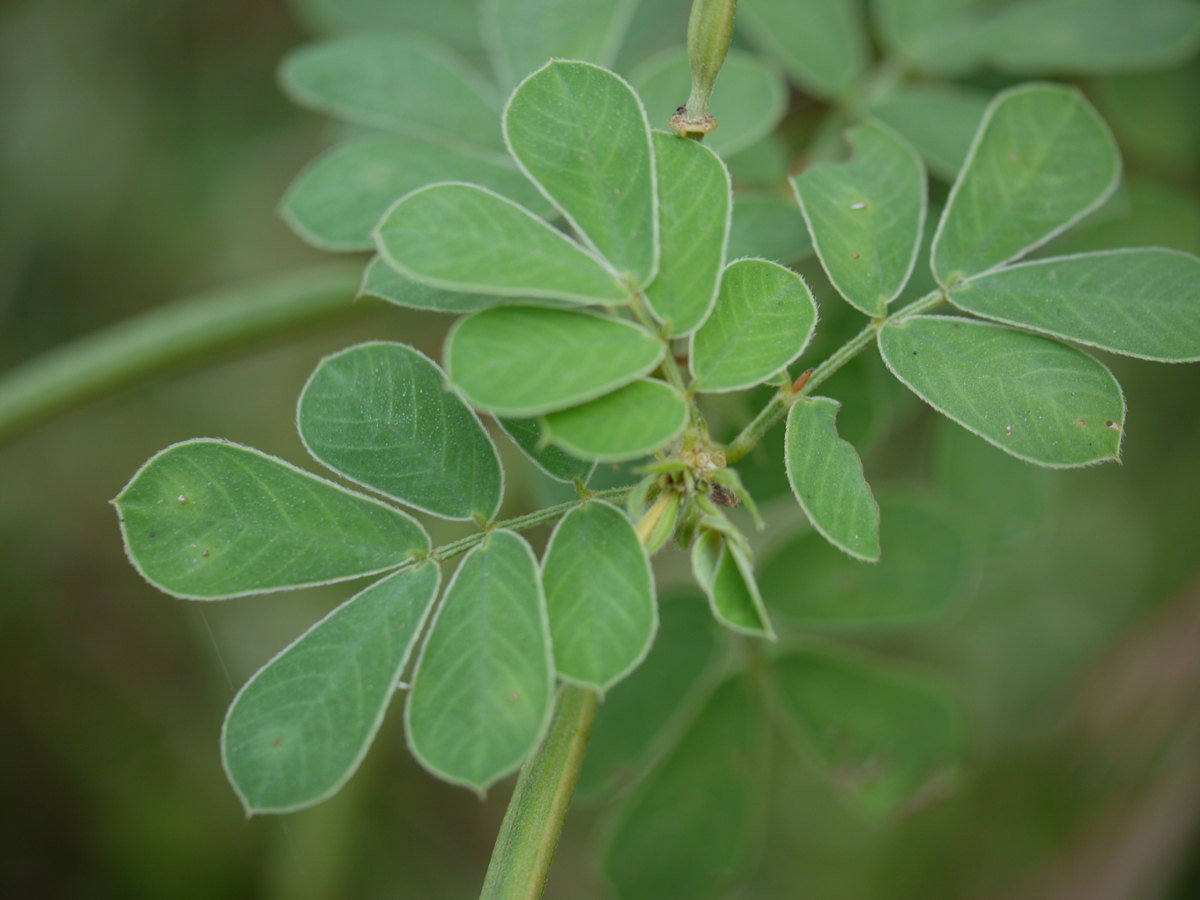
183,330
527,840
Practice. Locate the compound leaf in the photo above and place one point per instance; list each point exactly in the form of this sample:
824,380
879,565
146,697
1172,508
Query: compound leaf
878,731
299,728
727,578
764,318
693,828
484,686
769,227
382,415
600,596
923,570
580,133
821,43
1037,399
939,119
748,99
521,361
1138,302
1041,161
462,237
649,708
638,419
337,201
373,79
826,476
207,520
554,461
866,216
694,196
522,34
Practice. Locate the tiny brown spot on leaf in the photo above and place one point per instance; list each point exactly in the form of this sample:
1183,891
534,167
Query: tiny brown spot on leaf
276,742
514,696
1082,423
1109,423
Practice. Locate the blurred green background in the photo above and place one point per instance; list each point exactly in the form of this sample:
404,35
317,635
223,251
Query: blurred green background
143,150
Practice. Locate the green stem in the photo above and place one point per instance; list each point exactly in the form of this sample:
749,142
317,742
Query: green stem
102,362
710,29
534,820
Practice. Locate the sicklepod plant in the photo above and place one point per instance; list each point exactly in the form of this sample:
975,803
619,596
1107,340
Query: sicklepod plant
599,317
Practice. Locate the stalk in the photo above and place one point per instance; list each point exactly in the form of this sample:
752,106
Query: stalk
710,29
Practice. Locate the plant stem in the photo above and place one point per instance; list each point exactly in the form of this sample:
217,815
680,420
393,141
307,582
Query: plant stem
710,29
123,353
534,820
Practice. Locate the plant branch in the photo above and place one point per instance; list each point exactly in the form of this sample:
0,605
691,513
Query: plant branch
534,820
156,340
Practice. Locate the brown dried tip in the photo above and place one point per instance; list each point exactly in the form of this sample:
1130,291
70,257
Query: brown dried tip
800,382
685,127
722,496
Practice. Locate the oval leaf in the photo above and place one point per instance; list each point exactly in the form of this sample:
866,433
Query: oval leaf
337,201
826,476
627,424
1037,399
525,362
483,689
462,237
923,570
694,196
1042,160
579,132
1138,302
822,43
866,216
207,520
600,595
748,99
523,34
382,415
559,465
644,714
693,828
373,79
299,728
727,578
764,318
878,731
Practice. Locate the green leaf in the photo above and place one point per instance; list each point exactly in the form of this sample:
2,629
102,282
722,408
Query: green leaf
878,731
827,478
822,43
1141,302
522,361
372,79
1042,160
462,237
644,714
749,98
559,465
692,830
727,579
600,595
455,22
522,34
923,570
866,216
939,119
207,520
930,35
580,133
1037,399
626,424
337,201
694,197
1090,36
483,689
382,415
299,728
764,318
381,280
768,227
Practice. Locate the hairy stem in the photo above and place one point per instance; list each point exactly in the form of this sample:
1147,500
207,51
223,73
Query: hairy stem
102,362
534,820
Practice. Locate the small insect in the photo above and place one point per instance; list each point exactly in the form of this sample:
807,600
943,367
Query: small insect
722,496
